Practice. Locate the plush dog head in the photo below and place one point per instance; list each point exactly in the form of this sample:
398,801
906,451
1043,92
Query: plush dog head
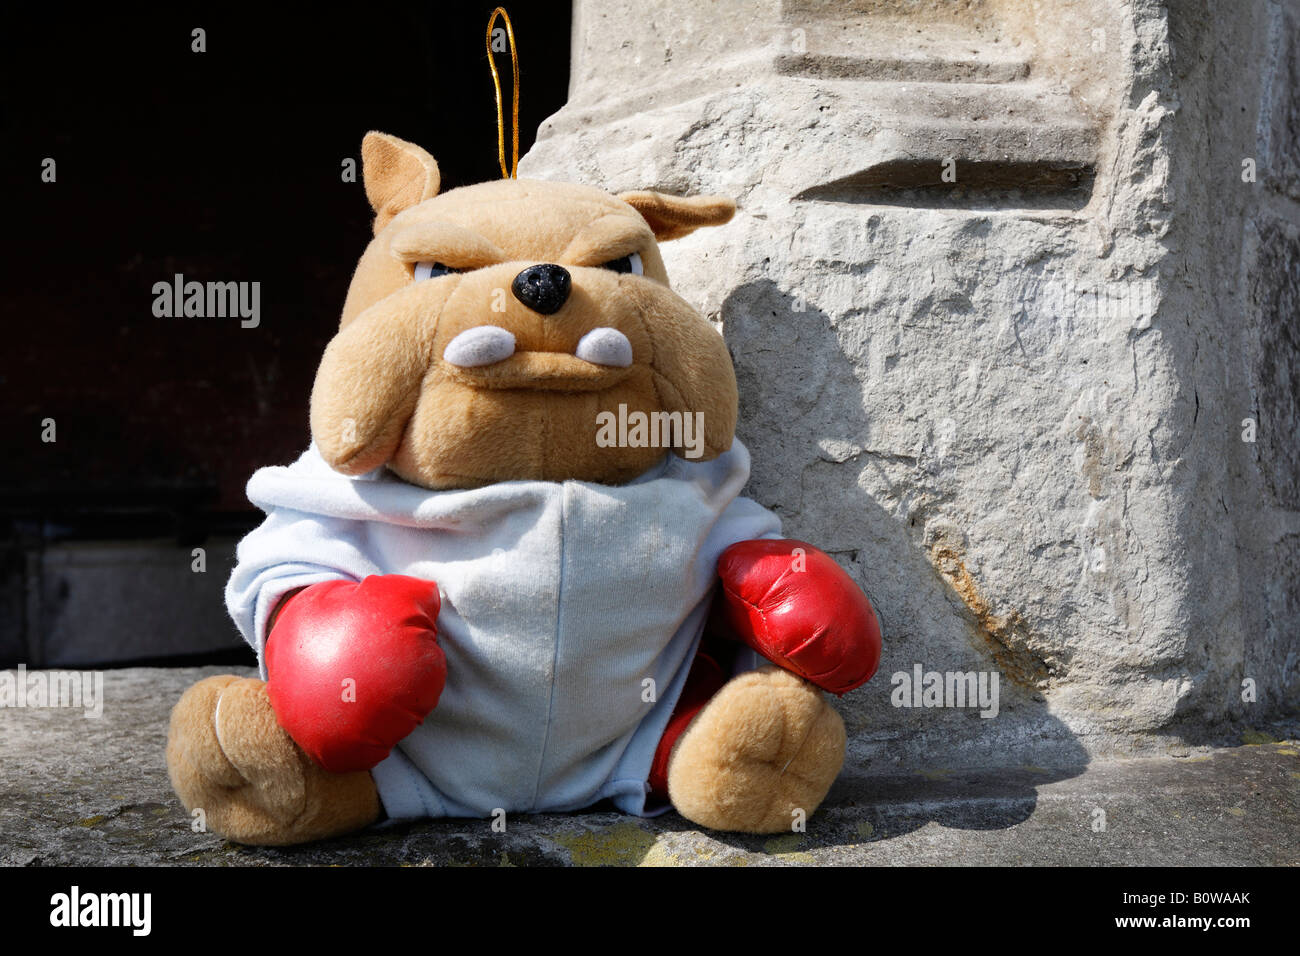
518,329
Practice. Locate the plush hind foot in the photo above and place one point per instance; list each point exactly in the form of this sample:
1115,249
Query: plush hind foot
227,756
768,744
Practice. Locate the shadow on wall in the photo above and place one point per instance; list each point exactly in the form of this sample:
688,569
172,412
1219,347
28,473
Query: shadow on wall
934,758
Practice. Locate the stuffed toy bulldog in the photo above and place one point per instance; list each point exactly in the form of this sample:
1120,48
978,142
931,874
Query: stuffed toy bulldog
514,572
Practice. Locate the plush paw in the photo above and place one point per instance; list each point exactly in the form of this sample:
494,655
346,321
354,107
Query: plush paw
227,756
767,745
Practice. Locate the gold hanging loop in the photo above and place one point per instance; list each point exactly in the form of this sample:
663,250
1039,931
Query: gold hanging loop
514,98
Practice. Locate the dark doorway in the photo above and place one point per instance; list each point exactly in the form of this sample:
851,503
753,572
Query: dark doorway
224,165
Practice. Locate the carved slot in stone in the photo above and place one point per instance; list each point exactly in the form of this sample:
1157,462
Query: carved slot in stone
833,66
980,184
924,83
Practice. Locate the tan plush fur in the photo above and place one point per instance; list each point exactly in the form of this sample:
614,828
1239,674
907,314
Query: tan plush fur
383,395
398,175
672,217
768,743
228,757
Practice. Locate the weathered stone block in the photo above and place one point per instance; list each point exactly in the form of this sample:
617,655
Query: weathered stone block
1008,398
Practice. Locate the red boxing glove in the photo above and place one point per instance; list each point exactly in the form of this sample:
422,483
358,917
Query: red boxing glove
794,605
354,668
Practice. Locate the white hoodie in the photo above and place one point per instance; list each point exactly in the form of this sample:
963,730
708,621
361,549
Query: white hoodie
571,612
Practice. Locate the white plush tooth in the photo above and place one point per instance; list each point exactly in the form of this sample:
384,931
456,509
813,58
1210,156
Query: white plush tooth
605,347
481,345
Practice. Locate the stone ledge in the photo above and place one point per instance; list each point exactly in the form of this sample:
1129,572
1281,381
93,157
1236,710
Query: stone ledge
79,791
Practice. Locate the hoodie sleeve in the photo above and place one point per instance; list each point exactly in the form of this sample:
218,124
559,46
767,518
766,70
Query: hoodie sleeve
289,550
721,480
746,520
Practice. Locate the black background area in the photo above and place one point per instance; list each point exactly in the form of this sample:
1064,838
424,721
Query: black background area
222,166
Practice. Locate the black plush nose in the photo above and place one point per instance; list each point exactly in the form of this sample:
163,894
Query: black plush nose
543,288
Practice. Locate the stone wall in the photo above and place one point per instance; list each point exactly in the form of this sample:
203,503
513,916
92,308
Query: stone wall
1002,304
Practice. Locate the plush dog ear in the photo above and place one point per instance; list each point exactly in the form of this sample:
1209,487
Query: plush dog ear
671,217
397,174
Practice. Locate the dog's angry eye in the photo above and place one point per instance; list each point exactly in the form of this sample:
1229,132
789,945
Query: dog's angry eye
630,264
431,270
